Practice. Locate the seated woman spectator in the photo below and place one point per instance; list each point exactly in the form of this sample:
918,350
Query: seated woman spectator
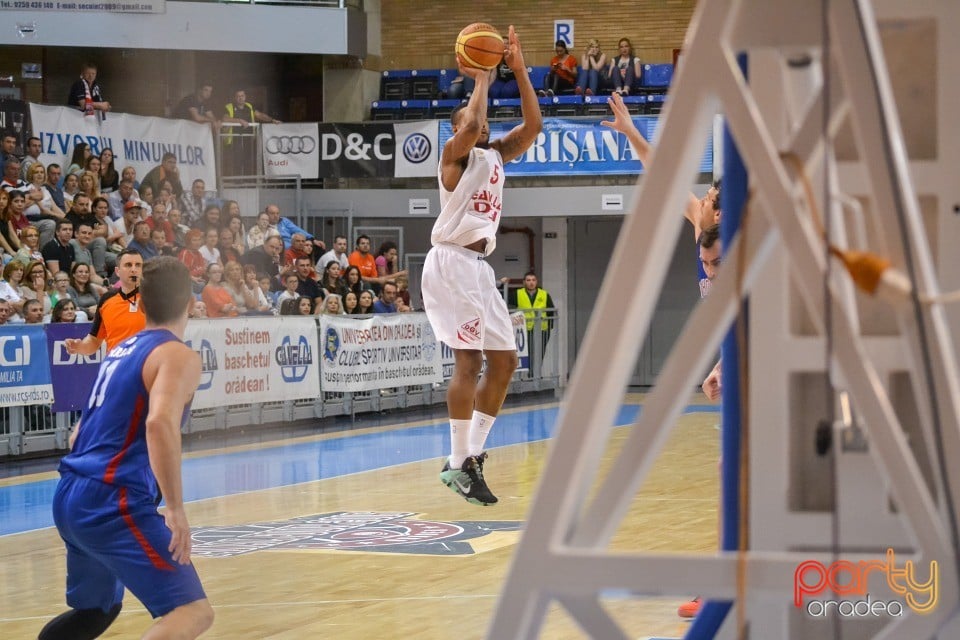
65,311
101,211
36,286
83,290
209,250
353,281
196,263
264,302
563,72
365,302
129,173
215,296
29,246
388,260
258,233
146,194
299,307
16,218
245,299
13,274
180,230
9,239
45,207
623,73
61,287
211,218
71,187
81,151
504,85
290,283
332,306
88,185
235,224
93,166
350,302
330,279
228,252
109,177
403,292
593,69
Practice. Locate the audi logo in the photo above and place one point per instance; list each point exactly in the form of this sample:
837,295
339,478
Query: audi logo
291,144
416,148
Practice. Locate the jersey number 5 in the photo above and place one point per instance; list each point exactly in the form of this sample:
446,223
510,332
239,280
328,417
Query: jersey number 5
495,178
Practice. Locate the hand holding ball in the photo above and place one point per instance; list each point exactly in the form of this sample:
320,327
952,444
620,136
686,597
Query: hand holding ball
479,46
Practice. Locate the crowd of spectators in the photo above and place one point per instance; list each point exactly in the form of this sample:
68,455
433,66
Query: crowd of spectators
59,246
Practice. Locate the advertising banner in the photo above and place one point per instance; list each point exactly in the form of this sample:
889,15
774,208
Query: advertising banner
72,375
390,350
291,149
419,155
519,333
137,141
130,6
402,150
247,360
24,367
578,146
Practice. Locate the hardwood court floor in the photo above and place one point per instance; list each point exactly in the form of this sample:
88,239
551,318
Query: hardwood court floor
417,581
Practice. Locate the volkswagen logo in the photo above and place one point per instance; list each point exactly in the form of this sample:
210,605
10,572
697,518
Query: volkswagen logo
291,144
416,148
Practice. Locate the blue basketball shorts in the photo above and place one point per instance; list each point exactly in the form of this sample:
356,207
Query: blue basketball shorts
115,538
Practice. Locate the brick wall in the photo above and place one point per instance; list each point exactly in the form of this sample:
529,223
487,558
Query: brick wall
418,34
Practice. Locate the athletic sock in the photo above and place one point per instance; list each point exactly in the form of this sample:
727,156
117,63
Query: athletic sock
480,427
459,442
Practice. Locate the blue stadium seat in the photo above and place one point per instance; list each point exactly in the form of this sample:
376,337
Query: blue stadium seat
654,103
504,108
656,76
386,109
596,105
635,104
538,76
445,78
415,109
562,106
396,84
425,84
442,108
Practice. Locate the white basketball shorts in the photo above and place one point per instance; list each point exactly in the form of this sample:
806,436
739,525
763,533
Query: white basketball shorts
462,302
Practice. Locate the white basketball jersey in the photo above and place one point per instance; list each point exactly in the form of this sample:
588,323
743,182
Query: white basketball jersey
471,212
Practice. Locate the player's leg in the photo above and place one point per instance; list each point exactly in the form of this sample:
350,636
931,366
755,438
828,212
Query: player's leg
186,621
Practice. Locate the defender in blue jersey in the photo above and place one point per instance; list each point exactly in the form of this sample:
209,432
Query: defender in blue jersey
125,455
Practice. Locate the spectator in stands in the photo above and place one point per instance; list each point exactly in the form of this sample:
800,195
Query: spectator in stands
199,310
109,177
36,286
264,301
332,305
64,311
141,241
330,279
71,187
29,246
266,259
6,311
562,77
350,303
83,289
93,166
54,174
209,250
505,84
14,214
43,213
228,253
88,185
61,288
388,299
623,74
101,211
259,232
179,230
8,147
110,230
403,292
388,261
290,283
218,300
353,281
298,307
363,260
80,212
235,225
14,274
166,170
33,312
81,151
125,193
34,148
286,228
165,195
9,234
81,241
159,221
299,248
211,218
308,286
130,173
158,240
132,214
195,106
233,218
266,287
194,202
365,302
146,195
239,153
338,254
85,93
58,254
593,69
196,263
11,176
244,297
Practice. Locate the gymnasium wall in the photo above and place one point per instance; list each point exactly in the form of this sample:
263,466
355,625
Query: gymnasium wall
421,35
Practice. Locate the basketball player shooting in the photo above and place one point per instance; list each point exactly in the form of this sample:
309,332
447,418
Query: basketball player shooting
459,289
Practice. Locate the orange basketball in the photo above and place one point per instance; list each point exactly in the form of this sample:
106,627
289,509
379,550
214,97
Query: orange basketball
479,45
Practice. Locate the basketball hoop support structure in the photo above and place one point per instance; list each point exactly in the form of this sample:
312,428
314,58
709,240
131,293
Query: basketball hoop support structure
903,380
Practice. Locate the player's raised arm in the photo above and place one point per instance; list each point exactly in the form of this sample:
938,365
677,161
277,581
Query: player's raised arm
171,374
468,125
519,139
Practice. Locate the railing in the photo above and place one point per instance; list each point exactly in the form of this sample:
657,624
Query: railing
37,429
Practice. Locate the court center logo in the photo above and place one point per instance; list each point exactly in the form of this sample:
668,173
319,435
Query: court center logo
843,578
416,148
294,358
331,345
391,532
291,145
208,363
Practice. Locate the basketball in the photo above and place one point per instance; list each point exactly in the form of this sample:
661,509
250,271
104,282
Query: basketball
480,46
